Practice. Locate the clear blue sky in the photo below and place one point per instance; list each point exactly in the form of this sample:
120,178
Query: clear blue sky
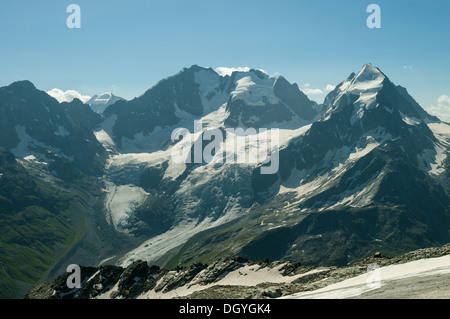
127,46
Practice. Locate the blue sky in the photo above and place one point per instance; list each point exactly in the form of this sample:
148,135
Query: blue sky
127,46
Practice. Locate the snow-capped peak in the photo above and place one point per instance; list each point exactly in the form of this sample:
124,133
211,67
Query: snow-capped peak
369,73
368,80
102,98
224,71
365,85
105,96
254,89
99,103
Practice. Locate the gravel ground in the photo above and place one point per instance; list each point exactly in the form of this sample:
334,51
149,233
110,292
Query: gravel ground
427,278
420,287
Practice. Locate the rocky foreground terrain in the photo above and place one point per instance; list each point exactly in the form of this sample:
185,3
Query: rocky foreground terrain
240,278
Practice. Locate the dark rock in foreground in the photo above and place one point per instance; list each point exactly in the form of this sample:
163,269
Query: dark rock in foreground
283,278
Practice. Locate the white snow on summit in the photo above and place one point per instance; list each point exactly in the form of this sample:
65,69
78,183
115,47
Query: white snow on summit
253,90
369,79
224,71
211,95
103,98
366,84
99,103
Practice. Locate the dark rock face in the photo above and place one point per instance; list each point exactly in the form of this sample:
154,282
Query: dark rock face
59,289
157,106
58,132
243,115
135,279
132,281
105,278
291,95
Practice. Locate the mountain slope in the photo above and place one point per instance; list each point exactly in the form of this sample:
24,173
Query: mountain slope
33,123
366,176
38,222
50,162
169,202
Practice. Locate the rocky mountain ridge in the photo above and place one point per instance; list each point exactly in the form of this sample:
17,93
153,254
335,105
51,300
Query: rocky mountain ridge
228,278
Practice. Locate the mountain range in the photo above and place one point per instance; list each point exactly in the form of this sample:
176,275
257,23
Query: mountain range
98,103
367,170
